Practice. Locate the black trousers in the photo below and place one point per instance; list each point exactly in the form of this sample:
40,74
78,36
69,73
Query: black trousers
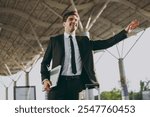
68,88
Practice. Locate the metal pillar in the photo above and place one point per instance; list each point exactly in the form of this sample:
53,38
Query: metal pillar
27,79
26,84
8,69
86,34
36,37
98,15
125,95
6,90
15,83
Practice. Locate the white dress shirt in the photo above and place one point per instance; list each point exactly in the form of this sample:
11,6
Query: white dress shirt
67,70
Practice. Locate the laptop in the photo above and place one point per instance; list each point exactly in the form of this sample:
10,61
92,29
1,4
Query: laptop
54,75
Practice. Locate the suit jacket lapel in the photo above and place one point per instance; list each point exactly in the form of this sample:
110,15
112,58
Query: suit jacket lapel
62,43
61,48
83,48
78,38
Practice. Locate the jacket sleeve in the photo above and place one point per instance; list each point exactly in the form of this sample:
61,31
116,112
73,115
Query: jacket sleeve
45,74
103,44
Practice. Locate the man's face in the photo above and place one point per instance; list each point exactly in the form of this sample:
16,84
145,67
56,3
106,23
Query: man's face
71,24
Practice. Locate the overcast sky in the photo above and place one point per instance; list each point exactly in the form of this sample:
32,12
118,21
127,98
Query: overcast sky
136,64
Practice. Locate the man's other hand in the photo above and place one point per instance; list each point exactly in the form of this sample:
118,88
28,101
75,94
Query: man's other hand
134,24
46,85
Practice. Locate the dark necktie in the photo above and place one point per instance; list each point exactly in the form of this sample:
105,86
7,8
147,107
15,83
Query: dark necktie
73,64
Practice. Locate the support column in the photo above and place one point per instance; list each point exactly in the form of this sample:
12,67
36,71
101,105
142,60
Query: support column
6,90
125,95
86,34
27,79
14,85
27,84
8,69
36,37
98,15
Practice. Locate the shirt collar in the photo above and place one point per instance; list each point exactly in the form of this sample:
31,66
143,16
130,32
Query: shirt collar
66,35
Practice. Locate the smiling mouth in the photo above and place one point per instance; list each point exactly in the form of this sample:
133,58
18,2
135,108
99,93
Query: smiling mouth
73,25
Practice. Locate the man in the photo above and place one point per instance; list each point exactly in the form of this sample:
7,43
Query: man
74,54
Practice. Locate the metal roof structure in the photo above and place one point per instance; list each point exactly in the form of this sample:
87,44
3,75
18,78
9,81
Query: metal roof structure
26,25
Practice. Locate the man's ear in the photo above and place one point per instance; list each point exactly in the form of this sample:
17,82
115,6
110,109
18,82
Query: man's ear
64,24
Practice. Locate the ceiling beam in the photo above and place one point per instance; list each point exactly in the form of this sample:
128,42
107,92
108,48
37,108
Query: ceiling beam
3,70
24,15
4,40
63,6
98,15
10,28
16,30
28,36
8,69
36,37
133,6
85,6
51,10
56,4
14,60
21,34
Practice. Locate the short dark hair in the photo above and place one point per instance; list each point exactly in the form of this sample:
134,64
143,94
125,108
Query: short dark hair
67,14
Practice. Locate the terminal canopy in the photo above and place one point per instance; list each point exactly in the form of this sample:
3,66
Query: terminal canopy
26,25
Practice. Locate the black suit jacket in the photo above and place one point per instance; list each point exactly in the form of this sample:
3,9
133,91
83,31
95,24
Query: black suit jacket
55,52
